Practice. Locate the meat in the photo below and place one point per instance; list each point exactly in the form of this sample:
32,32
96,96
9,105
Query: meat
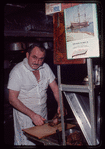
55,120
74,139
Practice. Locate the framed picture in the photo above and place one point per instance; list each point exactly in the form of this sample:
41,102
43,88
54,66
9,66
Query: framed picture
81,31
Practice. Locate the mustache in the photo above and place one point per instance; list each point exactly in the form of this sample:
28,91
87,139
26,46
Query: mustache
35,64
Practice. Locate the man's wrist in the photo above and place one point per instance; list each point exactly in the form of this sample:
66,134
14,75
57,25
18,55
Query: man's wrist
31,114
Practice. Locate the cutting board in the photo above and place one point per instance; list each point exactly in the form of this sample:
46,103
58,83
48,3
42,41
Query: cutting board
45,130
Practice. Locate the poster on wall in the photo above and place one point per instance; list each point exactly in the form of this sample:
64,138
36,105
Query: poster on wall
81,30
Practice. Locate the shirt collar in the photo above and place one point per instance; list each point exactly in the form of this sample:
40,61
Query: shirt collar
25,63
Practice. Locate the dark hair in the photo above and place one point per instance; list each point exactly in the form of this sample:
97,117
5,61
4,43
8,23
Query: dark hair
39,45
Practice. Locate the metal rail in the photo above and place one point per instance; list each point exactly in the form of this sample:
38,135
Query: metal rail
75,88
61,105
45,141
91,101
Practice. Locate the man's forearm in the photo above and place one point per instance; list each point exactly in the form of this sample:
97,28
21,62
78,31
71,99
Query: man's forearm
56,95
36,119
55,90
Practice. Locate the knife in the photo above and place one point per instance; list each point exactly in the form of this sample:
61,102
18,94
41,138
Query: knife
47,121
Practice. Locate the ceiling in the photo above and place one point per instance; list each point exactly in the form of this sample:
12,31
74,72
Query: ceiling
27,20
11,8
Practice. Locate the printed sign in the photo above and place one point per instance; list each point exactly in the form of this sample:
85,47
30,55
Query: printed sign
52,8
81,31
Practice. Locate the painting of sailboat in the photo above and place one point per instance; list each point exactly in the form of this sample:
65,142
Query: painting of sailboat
81,31
79,25
80,22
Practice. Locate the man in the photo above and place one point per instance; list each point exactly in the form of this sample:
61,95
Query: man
28,83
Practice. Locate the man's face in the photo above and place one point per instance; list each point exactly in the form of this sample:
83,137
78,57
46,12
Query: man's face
36,58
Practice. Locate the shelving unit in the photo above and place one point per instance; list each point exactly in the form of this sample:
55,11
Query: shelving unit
84,112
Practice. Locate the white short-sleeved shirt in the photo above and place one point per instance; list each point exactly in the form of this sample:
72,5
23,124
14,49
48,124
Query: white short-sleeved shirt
23,80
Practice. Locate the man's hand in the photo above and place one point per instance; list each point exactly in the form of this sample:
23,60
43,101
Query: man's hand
37,119
64,110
